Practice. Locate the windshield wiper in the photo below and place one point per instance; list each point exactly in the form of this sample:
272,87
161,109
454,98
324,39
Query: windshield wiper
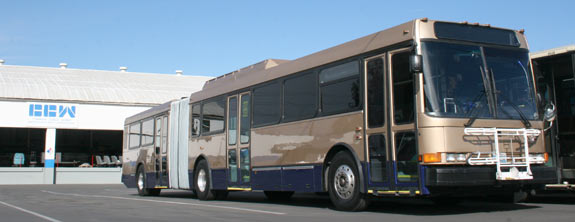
486,90
524,120
473,109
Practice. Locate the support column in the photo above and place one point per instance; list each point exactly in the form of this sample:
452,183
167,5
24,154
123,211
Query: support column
50,153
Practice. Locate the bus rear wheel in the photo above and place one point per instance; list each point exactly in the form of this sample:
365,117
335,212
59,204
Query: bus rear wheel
344,184
202,181
141,184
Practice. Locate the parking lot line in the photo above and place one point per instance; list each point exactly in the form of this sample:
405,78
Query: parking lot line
30,212
168,202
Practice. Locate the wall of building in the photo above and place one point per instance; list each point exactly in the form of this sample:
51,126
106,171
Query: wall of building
30,114
51,166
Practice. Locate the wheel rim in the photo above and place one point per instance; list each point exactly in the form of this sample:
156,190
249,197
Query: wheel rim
344,182
141,181
202,180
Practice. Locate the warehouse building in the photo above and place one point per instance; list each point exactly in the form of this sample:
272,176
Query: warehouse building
63,125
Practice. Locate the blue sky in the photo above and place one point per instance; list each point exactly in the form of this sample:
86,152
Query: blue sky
216,37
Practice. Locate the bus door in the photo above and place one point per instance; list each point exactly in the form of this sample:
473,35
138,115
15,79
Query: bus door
161,150
238,142
401,119
560,74
376,126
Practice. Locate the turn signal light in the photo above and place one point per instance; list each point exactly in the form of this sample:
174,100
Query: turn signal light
546,155
432,157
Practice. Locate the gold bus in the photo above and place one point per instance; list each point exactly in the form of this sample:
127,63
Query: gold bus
427,108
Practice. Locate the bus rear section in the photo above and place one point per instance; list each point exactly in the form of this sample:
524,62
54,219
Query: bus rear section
156,149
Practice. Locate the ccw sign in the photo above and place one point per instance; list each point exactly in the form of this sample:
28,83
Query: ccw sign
53,114
51,110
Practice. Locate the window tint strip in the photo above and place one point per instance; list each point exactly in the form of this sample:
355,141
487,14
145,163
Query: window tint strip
339,72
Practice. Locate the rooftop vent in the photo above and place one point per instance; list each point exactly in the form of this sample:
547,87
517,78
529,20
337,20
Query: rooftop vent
123,69
63,65
179,72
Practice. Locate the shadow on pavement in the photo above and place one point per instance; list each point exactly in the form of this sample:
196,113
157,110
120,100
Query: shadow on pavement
403,206
553,197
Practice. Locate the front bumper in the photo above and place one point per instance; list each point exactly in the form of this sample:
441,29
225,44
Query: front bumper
450,176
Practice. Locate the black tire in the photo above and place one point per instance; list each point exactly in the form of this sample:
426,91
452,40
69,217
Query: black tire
344,184
141,184
202,181
278,195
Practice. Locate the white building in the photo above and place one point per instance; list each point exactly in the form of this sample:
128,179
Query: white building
55,123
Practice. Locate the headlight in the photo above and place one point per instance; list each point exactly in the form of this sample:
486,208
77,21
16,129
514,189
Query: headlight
455,157
444,158
538,157
450,157
461,157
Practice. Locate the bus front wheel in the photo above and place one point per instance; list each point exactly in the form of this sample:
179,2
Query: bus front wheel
344,184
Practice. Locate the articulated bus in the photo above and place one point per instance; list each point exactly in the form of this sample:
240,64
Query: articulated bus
424,109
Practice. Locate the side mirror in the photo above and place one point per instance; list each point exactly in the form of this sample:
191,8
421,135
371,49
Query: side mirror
550,112
415,64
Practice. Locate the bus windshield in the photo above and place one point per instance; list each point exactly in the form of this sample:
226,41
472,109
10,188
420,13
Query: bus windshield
470,81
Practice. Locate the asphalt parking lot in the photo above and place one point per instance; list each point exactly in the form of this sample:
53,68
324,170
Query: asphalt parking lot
117,203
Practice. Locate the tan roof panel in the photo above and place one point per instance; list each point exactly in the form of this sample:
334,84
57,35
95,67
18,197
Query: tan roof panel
245,78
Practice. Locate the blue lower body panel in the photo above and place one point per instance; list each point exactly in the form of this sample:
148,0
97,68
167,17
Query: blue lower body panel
300,180
288,178
129,180
292,178
219,179
270,180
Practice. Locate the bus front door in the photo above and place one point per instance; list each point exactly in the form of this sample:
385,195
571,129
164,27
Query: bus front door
401,116
238,142
390,128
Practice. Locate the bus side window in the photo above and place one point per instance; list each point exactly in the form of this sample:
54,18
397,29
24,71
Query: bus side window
213,116
196,122
339,88
148,132
300,97
267,104
134,136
